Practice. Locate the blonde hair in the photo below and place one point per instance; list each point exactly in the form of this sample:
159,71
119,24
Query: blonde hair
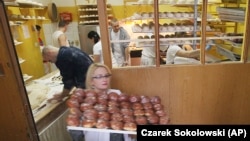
91,71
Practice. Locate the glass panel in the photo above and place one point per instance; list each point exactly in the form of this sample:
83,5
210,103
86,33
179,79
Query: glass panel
226,22
178,32
139,24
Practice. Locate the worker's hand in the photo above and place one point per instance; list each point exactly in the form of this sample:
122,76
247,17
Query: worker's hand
58,97
125,63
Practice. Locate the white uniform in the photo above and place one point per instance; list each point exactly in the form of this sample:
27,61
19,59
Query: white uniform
55,37
97,50
173,59
118,54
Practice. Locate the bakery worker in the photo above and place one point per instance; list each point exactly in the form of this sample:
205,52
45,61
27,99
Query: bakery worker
177,55
120,49
59,37
97,49
73,64
98,79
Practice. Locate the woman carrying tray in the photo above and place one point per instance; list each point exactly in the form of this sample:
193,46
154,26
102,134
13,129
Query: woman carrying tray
98,80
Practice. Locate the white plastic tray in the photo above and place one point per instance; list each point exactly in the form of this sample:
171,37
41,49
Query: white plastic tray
100,130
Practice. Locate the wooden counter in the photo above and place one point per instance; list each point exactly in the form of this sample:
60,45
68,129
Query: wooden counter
51,111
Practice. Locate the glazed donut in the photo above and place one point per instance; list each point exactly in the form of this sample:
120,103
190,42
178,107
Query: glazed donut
86,106
113,96
102,124
104,115
129,126
117,117
158,107
141,120
125,105
100,107
153,119
90,93
90,114
73,120
89,123
123,97
134,99
79,98
71,103
102,96
149,112
147,105
139,112
160,113
113,110
145,99
91,100
128,112
113,104
155,99
116,125
80,92
102,101
137,106
164,120
75,111
128,118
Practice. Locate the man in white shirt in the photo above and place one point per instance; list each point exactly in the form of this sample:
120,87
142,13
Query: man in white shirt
120,49
59,38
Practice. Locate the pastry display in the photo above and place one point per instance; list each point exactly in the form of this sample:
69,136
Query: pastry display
118,112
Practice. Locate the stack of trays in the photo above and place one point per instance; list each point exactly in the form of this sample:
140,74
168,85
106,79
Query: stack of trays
231,14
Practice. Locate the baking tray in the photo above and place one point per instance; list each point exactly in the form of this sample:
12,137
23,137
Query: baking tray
100,130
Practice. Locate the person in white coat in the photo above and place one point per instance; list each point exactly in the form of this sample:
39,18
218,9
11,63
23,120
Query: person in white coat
177,55
119,49
97,49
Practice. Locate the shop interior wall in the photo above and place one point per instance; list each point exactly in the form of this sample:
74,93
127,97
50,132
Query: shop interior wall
202,94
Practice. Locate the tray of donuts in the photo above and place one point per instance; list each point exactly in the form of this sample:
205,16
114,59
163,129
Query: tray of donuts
113,112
